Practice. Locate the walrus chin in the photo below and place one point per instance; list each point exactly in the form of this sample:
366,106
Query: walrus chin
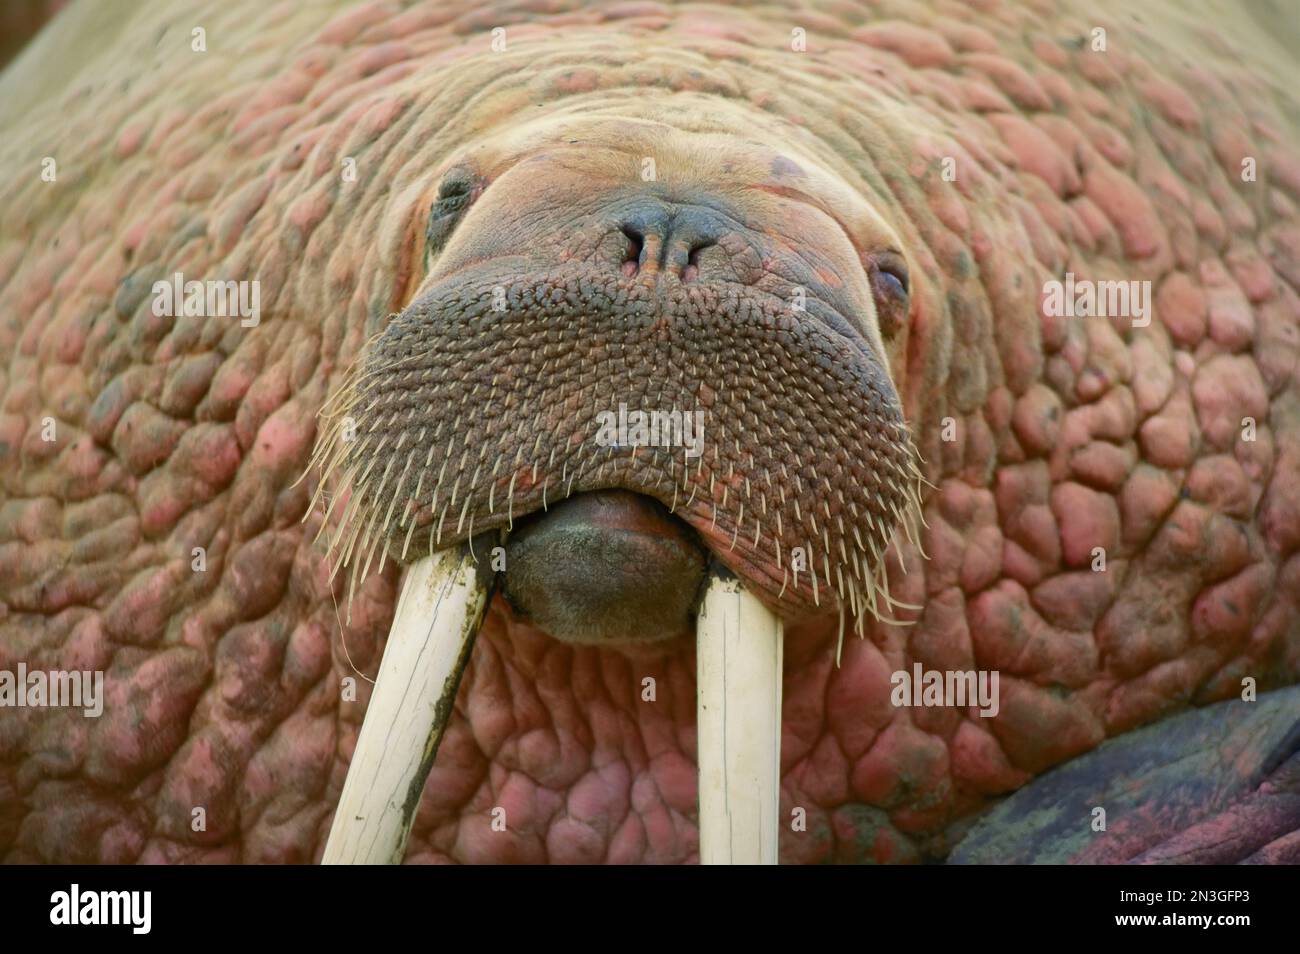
474,440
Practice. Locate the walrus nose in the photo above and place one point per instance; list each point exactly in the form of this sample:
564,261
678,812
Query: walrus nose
668,237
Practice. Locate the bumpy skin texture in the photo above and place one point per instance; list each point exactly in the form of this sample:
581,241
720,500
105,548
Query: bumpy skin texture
223,686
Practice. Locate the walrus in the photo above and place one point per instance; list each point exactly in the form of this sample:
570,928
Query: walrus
955,346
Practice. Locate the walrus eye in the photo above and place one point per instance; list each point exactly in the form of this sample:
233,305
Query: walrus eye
458,189
890,288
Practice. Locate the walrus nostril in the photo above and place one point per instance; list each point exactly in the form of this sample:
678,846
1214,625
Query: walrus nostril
692,270
692,230
635,250
669,237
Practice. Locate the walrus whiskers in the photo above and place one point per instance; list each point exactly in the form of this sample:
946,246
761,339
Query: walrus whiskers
438,614
395,396
738,707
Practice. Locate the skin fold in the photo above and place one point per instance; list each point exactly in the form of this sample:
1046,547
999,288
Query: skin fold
989,146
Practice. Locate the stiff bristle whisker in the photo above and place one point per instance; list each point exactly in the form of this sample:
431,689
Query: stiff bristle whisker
400,419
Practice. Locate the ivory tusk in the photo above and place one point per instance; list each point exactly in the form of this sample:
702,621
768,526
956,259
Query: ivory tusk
438,614
738,661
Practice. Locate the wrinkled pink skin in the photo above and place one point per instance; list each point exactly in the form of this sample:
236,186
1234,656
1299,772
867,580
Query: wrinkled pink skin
223,687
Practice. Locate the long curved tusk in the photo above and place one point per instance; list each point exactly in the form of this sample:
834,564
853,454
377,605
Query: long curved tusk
437,617
739,666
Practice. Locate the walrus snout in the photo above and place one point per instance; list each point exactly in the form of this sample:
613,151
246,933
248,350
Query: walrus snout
621,305
605,567
673,238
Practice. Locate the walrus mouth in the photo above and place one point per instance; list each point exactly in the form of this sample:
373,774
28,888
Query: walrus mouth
500,411
605,568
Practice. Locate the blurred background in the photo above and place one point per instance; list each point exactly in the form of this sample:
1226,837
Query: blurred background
19,21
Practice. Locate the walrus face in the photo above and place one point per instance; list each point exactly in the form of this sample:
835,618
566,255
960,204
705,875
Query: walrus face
541,238
639,347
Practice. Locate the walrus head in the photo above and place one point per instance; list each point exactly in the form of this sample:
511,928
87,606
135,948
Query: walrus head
548,236
642,344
